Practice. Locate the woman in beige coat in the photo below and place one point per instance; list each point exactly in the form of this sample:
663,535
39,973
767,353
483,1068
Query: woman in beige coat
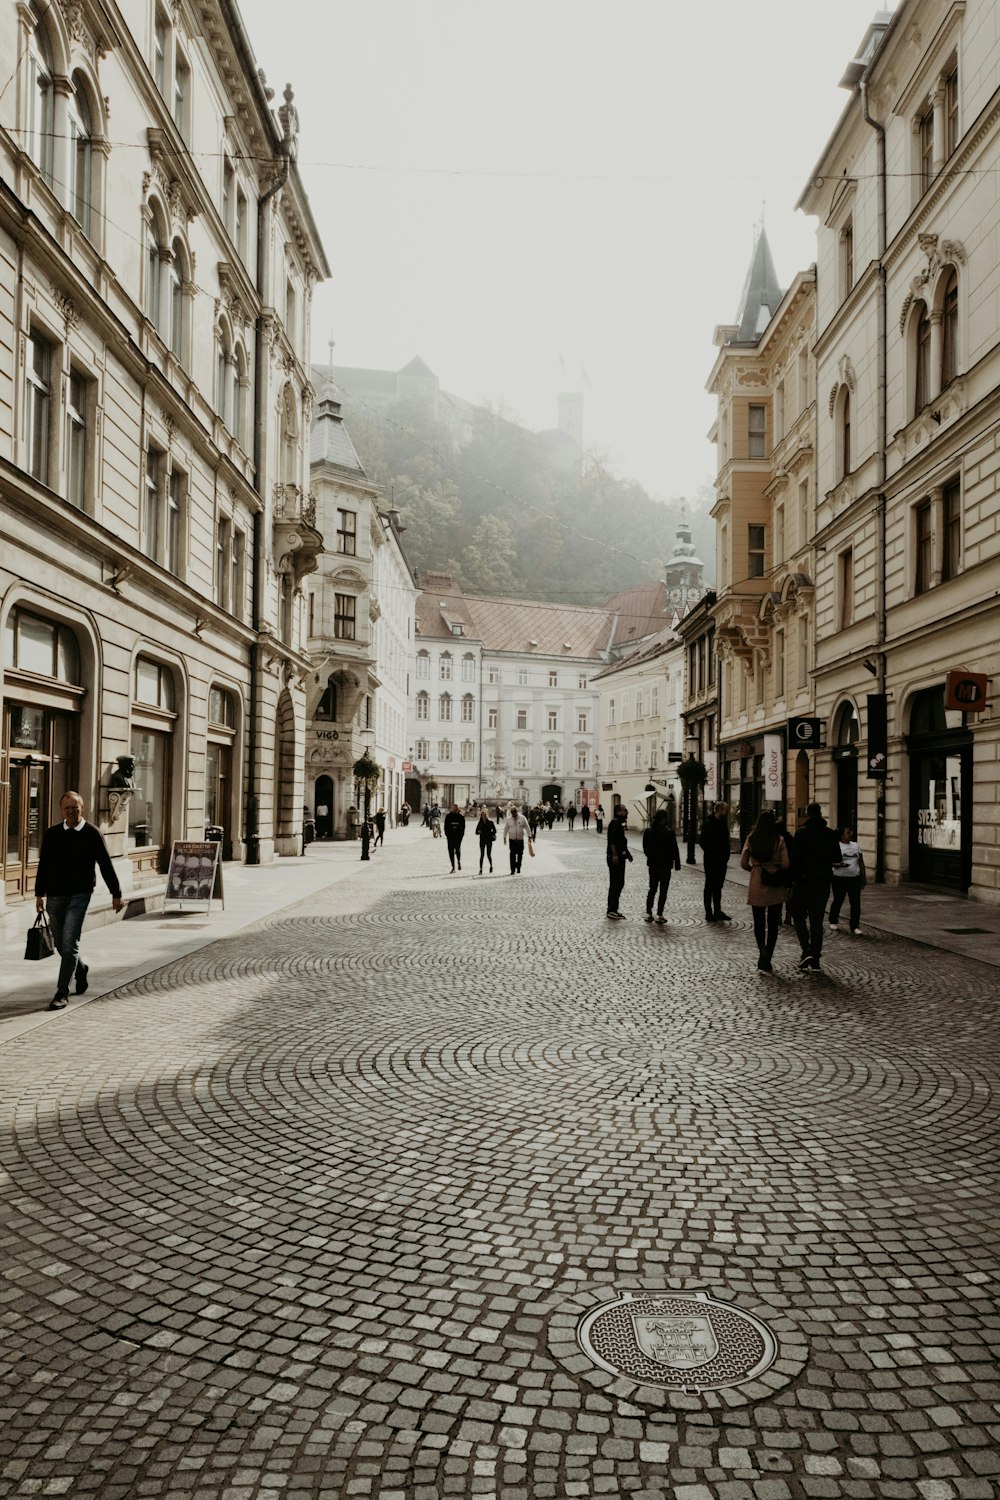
766,857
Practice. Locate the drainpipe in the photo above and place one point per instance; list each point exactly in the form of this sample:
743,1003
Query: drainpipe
258,579
880,501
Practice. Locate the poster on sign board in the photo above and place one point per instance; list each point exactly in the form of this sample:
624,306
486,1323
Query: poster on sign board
194,876
774,768
711,763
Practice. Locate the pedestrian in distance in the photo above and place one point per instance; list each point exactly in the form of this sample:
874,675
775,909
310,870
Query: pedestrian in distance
765,855
534,821
585,816
454,832
849,879
515,830
486,832
599,818
618,857
571,816
715,852
434,821
379,826
781,827
71,854
815,851
659,845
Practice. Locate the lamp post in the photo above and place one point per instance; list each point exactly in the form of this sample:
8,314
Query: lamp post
692,776
366,770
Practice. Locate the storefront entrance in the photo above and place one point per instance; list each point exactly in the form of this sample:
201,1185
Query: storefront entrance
940,796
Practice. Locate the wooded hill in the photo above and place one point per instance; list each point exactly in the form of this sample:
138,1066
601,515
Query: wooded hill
503,516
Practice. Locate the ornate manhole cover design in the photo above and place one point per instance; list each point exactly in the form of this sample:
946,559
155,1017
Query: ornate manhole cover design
677,1341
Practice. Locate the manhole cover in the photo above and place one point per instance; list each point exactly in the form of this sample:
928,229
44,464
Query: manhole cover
677,1341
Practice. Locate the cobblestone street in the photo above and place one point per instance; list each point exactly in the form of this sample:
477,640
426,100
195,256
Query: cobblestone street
316,1210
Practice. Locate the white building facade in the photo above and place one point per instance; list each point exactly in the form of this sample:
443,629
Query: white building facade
154,509
641,727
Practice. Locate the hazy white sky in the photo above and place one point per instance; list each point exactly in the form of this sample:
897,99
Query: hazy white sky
513,191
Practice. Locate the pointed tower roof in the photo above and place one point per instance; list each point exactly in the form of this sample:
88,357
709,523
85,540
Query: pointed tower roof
330,442
761,294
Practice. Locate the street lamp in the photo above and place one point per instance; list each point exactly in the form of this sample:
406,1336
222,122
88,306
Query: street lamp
366,769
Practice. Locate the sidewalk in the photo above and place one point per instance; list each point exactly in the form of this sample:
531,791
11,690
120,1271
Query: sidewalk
925,916
123,950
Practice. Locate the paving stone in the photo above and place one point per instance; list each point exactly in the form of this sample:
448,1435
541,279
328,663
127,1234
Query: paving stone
293,1217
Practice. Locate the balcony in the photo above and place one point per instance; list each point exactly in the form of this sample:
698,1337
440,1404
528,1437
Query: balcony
297,543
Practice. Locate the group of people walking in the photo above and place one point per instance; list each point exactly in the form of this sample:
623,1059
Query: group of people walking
796,874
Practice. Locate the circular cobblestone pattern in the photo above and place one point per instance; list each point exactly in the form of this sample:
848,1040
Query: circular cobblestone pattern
317,1211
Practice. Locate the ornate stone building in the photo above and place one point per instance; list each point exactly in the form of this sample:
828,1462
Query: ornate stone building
763,614
360,618
907,520
157,262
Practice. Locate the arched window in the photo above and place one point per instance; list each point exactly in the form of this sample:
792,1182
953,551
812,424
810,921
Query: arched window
921,357
223,372
444,706
41,98
175,310
153,719
241,382
157,255
81,156
949,329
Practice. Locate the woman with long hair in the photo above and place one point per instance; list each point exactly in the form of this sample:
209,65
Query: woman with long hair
765,855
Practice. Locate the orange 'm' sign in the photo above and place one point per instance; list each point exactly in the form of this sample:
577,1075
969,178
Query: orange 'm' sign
966,691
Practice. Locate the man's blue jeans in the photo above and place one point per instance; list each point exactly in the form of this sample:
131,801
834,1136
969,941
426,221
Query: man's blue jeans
67,915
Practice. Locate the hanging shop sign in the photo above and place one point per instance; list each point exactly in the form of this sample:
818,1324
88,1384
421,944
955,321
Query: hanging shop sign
878,737
966,691
774,768
806,734
711,761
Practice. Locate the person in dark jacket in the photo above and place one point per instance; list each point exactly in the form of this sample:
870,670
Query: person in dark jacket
585,816
72,852
715,848
454,832
571,816
486,832
618,857
815,851
659,845
379,821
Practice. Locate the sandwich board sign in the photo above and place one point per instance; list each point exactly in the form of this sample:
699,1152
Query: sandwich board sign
194,876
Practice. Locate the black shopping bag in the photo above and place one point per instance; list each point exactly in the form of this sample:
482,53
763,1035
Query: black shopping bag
41,943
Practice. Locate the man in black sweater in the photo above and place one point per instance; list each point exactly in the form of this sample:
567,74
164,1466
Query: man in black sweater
815,850
454,829
618,857
72,851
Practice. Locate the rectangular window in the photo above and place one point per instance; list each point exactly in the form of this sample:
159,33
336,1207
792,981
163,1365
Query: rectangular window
845,587
468,710
582,723
493,676
344,616
311,628
779,664
654,699
638,703
922,527
160,35
847,257
175,512
228,194
444,706
756,431
423,749
522,677
803,632
444,669
755,551
152,503
581,760
637,755
423,706
553,718
520,759
423,664
76,440
779,535
710,654
468,750
582,682
223,534
39,406
779,411
468,669
550,760
240,224
925,137
951,520
347,532
444,749
553,679
491,718
611,711
803,379
290,312
950,112
237,565
522,718
182,91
